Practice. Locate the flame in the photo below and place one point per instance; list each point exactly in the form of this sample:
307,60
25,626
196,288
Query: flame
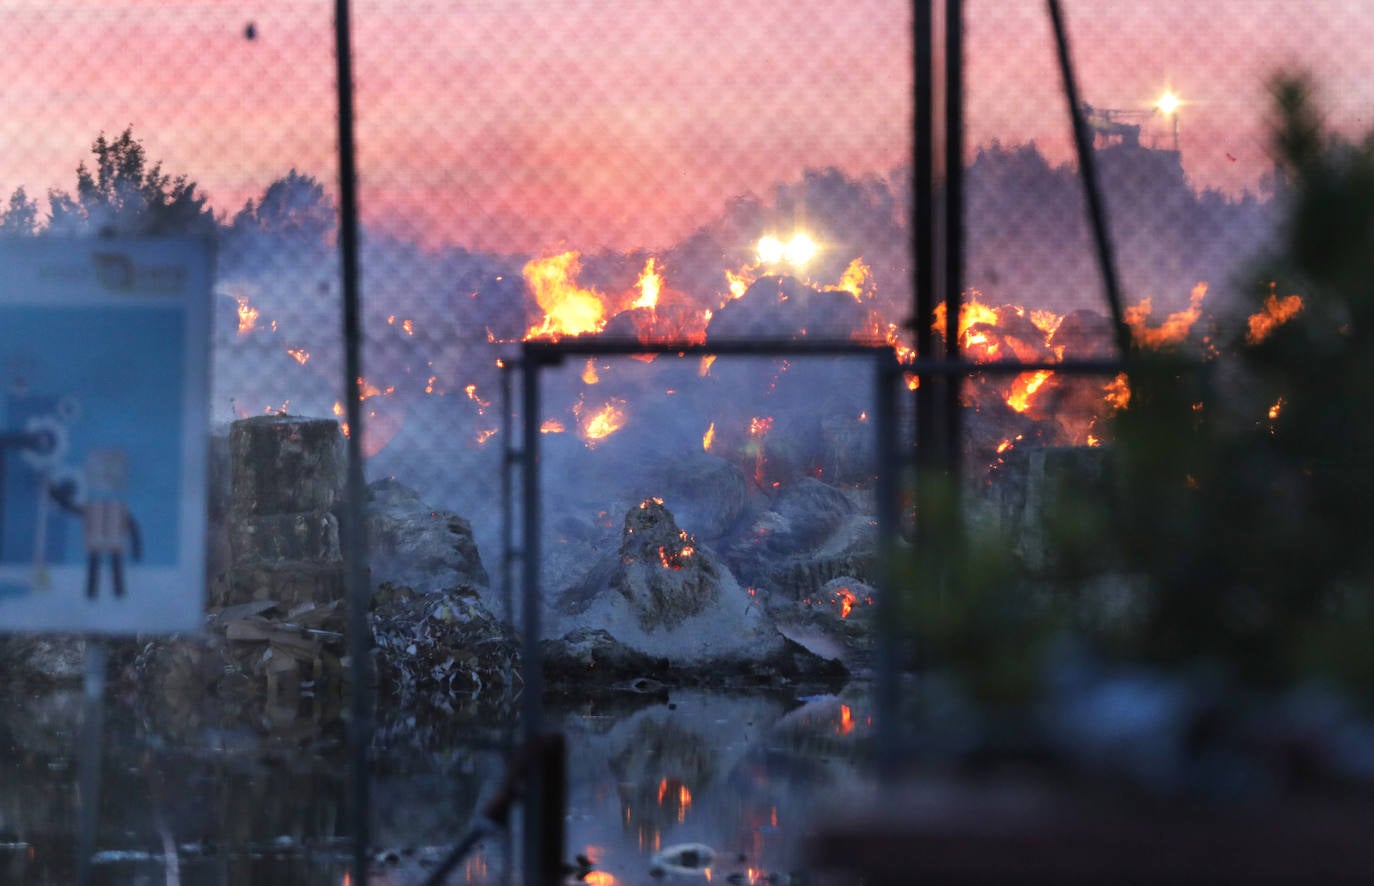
846,724
674,559
650,283
644,505
484,435
600,878
552,426
738,282
600,424
301,355
338,409
1276,408
1023,388
845,597
706,361
589,376
471,391
408,326
1175,327
568,308
854,280
429,385
708,437
1004,446
1275,312
759,427
1046,321
913,381
248,315
1118,391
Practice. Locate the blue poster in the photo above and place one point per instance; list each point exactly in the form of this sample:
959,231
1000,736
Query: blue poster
103,429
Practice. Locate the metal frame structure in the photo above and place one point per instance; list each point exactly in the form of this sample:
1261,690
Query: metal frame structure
936,446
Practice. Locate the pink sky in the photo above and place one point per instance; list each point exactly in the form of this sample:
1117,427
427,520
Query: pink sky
528,125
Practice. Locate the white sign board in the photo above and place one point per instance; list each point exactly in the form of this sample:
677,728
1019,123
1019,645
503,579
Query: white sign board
103,431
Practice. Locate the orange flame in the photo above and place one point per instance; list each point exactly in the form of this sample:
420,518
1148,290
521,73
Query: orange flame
589,376
471,391
408,326
854,280
248,315
600,424
552,426
1276,409
759,427
650,284
846,724
484,435
568,308
706,361
1118,391
1175,327
1275,312
708,437
301,355
846,599
1024,387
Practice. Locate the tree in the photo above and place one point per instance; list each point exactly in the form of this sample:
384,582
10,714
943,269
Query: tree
1243,485
20,218
294,208
125,195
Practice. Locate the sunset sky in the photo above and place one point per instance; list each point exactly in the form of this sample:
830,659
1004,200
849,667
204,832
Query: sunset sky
528,125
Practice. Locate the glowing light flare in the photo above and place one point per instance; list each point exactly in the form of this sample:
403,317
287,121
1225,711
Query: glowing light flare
770,250
1168,103
600,878
569,309
708,438
1024,388
650,284
1274,313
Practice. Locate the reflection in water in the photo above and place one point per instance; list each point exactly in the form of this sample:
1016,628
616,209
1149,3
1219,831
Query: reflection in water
226,793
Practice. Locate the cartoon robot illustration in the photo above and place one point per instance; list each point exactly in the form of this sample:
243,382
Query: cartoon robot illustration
40,493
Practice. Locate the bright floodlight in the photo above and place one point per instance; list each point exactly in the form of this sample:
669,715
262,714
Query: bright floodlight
770,250
1168,102
800,250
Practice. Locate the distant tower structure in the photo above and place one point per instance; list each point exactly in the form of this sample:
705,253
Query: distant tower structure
1121,127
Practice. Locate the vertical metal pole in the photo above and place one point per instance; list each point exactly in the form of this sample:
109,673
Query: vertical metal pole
355,538
954,230
923,223
532,821
1087,168
509,454
92,729
888,488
